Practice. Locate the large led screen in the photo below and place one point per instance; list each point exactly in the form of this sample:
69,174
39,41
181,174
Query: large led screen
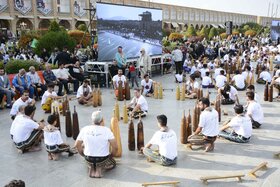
275,30
132,28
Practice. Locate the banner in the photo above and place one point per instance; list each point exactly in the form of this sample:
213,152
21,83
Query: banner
3,5
23,6
79,7
44,6
275,30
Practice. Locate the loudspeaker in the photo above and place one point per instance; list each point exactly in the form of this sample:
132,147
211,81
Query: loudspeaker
228,27
98,79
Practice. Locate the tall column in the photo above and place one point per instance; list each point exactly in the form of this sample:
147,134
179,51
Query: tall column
12,14
35,13
72,14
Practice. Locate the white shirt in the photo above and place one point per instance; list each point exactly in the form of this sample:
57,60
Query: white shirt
194,69
179,77
34,78
141,101
52,138
218,71
167,143
23,129
80,91
233,92
220,81
17,121
177,55
209,121
96,140
203,71
46,95
241,125
118,78
19,102
277,73
206,81
146,85
265,76
246,73
239,81
256,111
62,73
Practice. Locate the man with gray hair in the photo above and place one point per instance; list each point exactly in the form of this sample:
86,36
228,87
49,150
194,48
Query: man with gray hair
144,63
36,83
22,82
94,142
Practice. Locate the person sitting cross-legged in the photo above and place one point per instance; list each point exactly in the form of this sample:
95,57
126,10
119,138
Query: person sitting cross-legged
239,128
166,140
254,110
27,134
64,77
138,105
208,127
84,93
48,98
229,94
147,86
94,142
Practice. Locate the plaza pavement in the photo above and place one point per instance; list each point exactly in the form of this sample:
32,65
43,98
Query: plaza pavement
133,169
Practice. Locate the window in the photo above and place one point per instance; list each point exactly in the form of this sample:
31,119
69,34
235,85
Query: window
63,6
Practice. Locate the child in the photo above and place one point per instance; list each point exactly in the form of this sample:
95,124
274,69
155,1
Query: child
47,98
53,140
133,75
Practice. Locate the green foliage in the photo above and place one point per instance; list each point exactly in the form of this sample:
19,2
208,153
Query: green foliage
213,32
26,38
246,27
204,32
1,64
251,25
78,35
14,66
223,35
52,40
221,30
165,42
191,31
54,27
235,32
82,27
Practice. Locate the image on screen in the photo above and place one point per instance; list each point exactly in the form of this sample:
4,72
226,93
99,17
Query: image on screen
275,30
132,28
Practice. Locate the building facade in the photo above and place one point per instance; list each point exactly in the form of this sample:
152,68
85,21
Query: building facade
16,15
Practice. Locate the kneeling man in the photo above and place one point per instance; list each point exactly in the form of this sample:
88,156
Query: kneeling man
84,93
240,125
138,105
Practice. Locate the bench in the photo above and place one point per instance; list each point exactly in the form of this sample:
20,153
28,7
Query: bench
262,166
173,183
237,176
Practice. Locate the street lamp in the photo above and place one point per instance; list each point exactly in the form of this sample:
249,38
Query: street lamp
23,25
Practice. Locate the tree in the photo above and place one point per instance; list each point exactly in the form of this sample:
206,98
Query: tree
204,32
54,26
191,31
77,35
52,40
82,27
213,32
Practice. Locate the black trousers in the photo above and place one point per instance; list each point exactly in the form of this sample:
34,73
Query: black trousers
178,66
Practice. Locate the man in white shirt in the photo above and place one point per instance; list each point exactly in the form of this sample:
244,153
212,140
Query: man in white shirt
138,105
221,79
207,81
276,83
192,87
254,111
147,86
239,81
119,79
240,125
27,133
229,94
64,77
94,142
218,70
178,59
166,140
36,83
208,127
84,93
264,76
48,98
204,70
24,100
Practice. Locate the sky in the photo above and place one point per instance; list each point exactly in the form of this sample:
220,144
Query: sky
107,11
252,7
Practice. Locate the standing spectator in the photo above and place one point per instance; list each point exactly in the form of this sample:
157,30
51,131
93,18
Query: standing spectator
178,57
120,57
63,57
133,75
36,83
22,82
144,63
